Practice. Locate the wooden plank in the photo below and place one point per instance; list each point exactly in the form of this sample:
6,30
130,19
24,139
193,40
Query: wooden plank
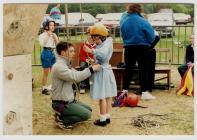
21,23
118,50
117,56
162,49
17,94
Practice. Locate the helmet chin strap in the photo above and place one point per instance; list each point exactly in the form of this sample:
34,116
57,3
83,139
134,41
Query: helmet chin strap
103,38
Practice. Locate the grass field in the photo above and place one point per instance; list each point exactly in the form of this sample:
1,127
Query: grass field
175,115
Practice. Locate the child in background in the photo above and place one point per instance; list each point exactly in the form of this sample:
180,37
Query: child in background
85,59
189,58
48,40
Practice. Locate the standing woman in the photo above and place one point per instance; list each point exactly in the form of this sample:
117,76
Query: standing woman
48,40
104,83
137,35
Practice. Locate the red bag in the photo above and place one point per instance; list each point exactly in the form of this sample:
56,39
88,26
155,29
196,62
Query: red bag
126,99
132,100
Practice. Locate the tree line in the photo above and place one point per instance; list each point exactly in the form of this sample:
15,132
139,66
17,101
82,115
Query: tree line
95,9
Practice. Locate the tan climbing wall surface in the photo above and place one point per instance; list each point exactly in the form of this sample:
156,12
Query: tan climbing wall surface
21,25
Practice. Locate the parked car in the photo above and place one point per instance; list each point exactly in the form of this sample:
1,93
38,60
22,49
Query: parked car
189,18
111,21
165,10
78,19
99,17
181,18
163,23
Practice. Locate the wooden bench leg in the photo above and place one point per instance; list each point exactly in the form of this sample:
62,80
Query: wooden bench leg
121,82
169,79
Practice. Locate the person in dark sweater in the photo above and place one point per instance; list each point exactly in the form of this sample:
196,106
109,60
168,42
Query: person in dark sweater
189,58
137,38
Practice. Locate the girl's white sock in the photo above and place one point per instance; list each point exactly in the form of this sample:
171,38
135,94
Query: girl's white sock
102,117
44,87
107,116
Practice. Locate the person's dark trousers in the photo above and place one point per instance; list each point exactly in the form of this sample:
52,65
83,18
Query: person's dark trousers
151,65
182,69
72,112
140,55
130,58
84,84
151,69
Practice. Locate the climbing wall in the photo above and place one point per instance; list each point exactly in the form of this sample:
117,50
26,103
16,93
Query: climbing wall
21,25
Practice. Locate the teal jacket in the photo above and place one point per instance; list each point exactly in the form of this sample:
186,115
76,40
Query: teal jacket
55,13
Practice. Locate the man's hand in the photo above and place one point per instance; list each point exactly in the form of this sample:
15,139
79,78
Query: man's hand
90,61
96,67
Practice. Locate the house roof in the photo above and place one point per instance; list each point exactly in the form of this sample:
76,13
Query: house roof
74,19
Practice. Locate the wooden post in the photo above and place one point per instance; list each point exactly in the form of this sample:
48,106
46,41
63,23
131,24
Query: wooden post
21,26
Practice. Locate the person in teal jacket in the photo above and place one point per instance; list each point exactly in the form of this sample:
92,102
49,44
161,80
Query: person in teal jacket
137,35
55,12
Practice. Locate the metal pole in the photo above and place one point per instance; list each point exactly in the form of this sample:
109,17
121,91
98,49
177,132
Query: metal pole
82,21
66,21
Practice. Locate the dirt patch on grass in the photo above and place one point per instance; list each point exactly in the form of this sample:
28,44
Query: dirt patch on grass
175,114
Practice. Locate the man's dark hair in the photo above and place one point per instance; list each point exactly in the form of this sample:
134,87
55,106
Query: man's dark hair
62,46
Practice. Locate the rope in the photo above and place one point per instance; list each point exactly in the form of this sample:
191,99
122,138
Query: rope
146,124
76,93
143,123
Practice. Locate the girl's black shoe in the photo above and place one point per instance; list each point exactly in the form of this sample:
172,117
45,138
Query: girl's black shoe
108,120
100,123
45,91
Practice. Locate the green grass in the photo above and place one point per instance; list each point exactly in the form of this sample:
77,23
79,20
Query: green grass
178,51
37,72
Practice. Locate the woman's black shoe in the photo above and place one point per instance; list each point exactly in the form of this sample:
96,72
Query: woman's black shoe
45,91
100,123
108,120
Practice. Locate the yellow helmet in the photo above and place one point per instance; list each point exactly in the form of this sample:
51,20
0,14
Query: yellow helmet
99,29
